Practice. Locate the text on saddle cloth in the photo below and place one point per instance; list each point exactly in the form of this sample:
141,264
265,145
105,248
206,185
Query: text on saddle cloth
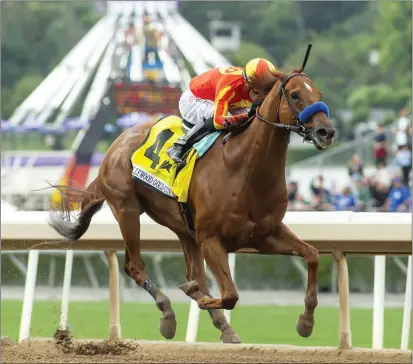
152,166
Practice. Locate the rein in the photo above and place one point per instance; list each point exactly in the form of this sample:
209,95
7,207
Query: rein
306,134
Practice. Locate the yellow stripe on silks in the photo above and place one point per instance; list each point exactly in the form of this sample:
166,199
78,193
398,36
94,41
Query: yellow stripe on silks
242,104
181,185
225,112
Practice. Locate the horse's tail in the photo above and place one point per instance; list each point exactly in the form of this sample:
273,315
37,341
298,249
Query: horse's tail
90,200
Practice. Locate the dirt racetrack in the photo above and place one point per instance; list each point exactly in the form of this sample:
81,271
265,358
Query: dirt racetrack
129,351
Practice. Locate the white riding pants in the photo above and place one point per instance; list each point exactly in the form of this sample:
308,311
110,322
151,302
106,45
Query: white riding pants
194,110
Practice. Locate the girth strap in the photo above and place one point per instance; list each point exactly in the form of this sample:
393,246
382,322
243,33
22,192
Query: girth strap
186,215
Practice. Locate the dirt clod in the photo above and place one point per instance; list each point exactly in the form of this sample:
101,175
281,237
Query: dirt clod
106,348
65,343
63,340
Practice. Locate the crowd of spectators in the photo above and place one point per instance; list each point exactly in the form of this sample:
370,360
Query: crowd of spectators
387,189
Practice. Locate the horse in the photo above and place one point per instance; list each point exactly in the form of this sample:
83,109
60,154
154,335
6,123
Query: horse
237,199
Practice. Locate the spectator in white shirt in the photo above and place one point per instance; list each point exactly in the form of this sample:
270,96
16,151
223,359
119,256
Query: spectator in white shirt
382,175
404,161
402,129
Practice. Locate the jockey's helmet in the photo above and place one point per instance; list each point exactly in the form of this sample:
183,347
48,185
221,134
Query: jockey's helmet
256,68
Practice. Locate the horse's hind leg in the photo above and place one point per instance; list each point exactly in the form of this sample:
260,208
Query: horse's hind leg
127,214
197,288
217,259
284,241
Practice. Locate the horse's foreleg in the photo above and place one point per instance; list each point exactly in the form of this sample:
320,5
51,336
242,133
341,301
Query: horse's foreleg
127,214
197,288
284,241
217,259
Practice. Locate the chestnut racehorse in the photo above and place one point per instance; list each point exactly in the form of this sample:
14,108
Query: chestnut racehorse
237,198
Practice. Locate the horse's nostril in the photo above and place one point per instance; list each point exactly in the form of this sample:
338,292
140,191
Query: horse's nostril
322,133
325,133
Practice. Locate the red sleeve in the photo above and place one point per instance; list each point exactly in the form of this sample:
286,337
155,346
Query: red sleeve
222,96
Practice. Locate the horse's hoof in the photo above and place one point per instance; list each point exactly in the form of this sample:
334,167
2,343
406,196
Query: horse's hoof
190,288
230,337
167,327
305,326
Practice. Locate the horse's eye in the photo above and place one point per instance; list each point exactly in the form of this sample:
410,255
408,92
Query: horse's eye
294,96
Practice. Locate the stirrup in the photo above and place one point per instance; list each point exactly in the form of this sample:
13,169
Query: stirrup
174,153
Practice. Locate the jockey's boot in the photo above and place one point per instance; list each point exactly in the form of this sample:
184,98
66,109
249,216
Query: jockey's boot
177,151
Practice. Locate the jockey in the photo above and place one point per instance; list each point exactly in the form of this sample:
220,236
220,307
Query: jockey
216,99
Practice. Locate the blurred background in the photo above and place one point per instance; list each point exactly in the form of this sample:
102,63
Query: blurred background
76,74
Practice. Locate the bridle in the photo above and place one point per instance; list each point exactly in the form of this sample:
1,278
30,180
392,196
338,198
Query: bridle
300,118
298,128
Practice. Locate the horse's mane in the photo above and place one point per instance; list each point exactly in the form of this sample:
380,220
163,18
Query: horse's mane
267,82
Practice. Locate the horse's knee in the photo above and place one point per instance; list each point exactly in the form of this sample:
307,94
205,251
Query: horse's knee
313,256
230,300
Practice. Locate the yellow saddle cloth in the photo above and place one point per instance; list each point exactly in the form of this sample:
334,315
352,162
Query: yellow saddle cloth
152,166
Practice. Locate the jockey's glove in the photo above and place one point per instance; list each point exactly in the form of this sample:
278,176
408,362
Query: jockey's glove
235,120
253,109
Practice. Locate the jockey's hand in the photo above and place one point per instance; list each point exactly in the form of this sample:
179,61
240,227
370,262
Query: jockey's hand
253,109
235,120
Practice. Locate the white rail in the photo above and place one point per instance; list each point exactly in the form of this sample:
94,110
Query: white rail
337,233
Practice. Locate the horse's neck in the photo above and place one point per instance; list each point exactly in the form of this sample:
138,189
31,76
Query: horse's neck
261,150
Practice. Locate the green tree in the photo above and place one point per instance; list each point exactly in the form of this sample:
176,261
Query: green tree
394,31
20,91
247,51
276,26
35,37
